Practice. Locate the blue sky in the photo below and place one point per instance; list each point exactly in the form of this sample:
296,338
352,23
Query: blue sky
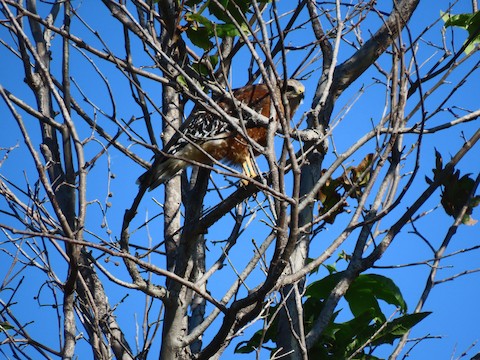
454,304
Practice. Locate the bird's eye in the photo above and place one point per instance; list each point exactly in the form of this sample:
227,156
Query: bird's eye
291,88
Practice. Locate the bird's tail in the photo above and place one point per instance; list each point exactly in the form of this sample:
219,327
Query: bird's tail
160,172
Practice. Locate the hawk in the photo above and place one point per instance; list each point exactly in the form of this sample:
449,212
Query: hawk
206,135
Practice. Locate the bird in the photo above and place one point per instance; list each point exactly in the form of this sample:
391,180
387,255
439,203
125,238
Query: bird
206,135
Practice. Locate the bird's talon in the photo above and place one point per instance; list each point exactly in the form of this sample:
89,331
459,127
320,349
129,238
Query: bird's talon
244,182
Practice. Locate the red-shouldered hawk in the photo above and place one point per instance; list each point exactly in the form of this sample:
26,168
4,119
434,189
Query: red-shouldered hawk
209,132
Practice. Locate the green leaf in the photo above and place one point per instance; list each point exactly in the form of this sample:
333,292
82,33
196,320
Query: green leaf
4,326
369,288
311,309
387,335
469,22
226,30
200,68
398,327
202,29
320,289
363,301
181,81
246,347
213,60
200,37
473,32
362,294
349,331
196,17
235,8
331,268
460,20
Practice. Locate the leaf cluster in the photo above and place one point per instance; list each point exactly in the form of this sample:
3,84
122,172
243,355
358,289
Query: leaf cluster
351,182
211,20
456,191
368,328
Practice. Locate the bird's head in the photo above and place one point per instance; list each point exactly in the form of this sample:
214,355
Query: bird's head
295,89
295,92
